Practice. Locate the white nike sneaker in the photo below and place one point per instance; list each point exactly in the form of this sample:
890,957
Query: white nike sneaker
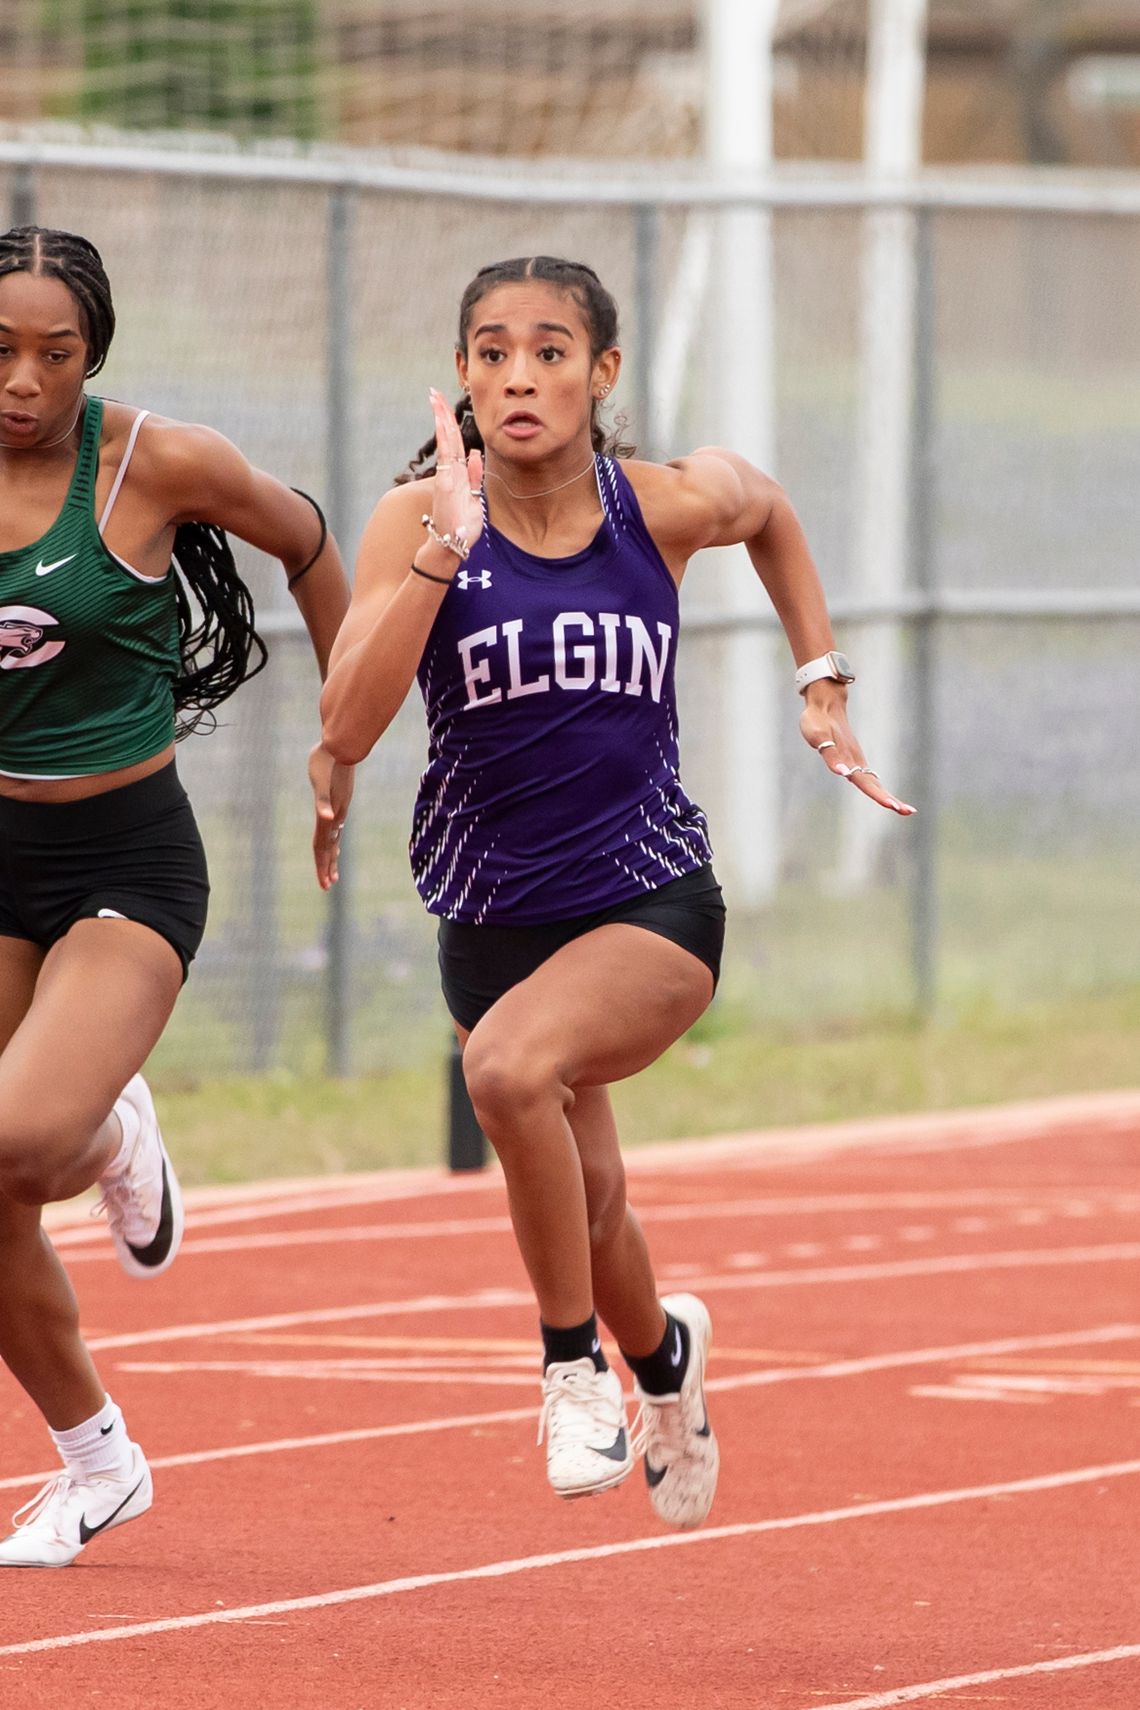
583,1421
68,1513
143,1201
673,1432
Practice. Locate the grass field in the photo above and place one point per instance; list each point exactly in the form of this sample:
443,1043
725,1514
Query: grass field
720,1078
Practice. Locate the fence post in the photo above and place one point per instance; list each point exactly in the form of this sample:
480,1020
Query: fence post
339,471
466,1144
22,202
261,795
646,243
923,504
740,367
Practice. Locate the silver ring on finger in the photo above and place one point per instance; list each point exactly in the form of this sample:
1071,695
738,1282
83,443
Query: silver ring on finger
820,746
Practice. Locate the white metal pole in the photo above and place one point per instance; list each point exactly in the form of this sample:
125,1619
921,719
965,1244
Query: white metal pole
896,61
738,140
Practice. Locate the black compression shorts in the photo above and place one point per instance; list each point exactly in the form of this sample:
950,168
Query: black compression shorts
478,964
134,852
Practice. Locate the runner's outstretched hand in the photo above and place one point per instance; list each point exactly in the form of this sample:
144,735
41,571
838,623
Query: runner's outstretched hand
824,727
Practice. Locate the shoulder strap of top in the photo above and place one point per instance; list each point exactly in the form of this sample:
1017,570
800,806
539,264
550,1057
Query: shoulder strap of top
612,491
631,520
128,453
82,489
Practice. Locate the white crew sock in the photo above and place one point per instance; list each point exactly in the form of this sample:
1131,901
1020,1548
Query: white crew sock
99,1447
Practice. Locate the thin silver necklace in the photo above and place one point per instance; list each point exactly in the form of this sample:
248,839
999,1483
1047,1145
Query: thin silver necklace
541,494
48,443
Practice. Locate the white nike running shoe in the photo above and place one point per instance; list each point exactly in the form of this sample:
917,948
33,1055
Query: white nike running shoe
673,1432
584,1423
143,1201
68,1512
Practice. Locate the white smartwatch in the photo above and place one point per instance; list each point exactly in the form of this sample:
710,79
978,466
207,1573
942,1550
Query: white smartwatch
834,665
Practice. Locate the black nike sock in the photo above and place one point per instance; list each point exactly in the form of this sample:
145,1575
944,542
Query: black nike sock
579,1342
663,1371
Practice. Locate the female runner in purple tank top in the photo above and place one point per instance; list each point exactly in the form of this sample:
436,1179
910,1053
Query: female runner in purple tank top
531,583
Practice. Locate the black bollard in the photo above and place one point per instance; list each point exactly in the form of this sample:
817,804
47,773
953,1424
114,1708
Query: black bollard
466,1143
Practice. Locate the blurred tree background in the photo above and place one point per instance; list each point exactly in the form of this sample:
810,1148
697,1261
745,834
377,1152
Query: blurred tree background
249,67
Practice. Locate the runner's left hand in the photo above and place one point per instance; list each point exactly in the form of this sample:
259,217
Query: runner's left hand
332,791
824,727
457,504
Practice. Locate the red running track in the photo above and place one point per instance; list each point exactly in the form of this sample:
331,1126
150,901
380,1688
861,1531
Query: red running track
926,1382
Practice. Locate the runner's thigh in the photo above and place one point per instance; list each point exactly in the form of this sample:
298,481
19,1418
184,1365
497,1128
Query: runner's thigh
20,963
104,994
603,1007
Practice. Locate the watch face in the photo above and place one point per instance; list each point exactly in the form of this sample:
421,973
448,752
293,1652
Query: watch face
842,667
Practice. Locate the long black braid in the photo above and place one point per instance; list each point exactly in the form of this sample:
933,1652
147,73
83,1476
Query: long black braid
218,642
217,637
599,311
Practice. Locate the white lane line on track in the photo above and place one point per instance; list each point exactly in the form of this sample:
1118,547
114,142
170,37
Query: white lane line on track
75,1242
93,1235
330,1371
946,1199
947,1264
601,1552
932,1688
959,1392
481,1300
782,1374
923,1357
250,1200
331,1439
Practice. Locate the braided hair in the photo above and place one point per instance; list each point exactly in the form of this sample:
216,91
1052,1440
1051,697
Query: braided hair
599,311
218,644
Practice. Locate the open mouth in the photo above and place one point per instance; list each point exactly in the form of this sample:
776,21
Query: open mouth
522,419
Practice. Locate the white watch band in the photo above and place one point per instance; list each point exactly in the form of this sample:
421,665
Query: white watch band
832,665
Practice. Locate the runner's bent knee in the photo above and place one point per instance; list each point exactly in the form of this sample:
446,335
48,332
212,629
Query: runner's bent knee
41,1136
505,1077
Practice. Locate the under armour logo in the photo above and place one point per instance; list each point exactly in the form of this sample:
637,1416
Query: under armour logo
465,579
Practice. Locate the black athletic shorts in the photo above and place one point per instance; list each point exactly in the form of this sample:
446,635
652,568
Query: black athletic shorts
134,852
478,964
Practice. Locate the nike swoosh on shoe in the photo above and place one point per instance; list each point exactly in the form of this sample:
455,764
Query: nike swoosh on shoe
617,1450
156,1250
86,1532
654,1475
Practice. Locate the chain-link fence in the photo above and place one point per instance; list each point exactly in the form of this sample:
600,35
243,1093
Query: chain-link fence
305,309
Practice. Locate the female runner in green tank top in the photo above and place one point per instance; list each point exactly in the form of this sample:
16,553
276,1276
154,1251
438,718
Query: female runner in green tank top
103,661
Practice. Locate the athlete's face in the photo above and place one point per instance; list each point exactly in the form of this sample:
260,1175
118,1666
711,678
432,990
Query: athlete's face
530,371
43,358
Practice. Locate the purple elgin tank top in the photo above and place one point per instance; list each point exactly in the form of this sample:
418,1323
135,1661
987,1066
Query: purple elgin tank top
552,786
